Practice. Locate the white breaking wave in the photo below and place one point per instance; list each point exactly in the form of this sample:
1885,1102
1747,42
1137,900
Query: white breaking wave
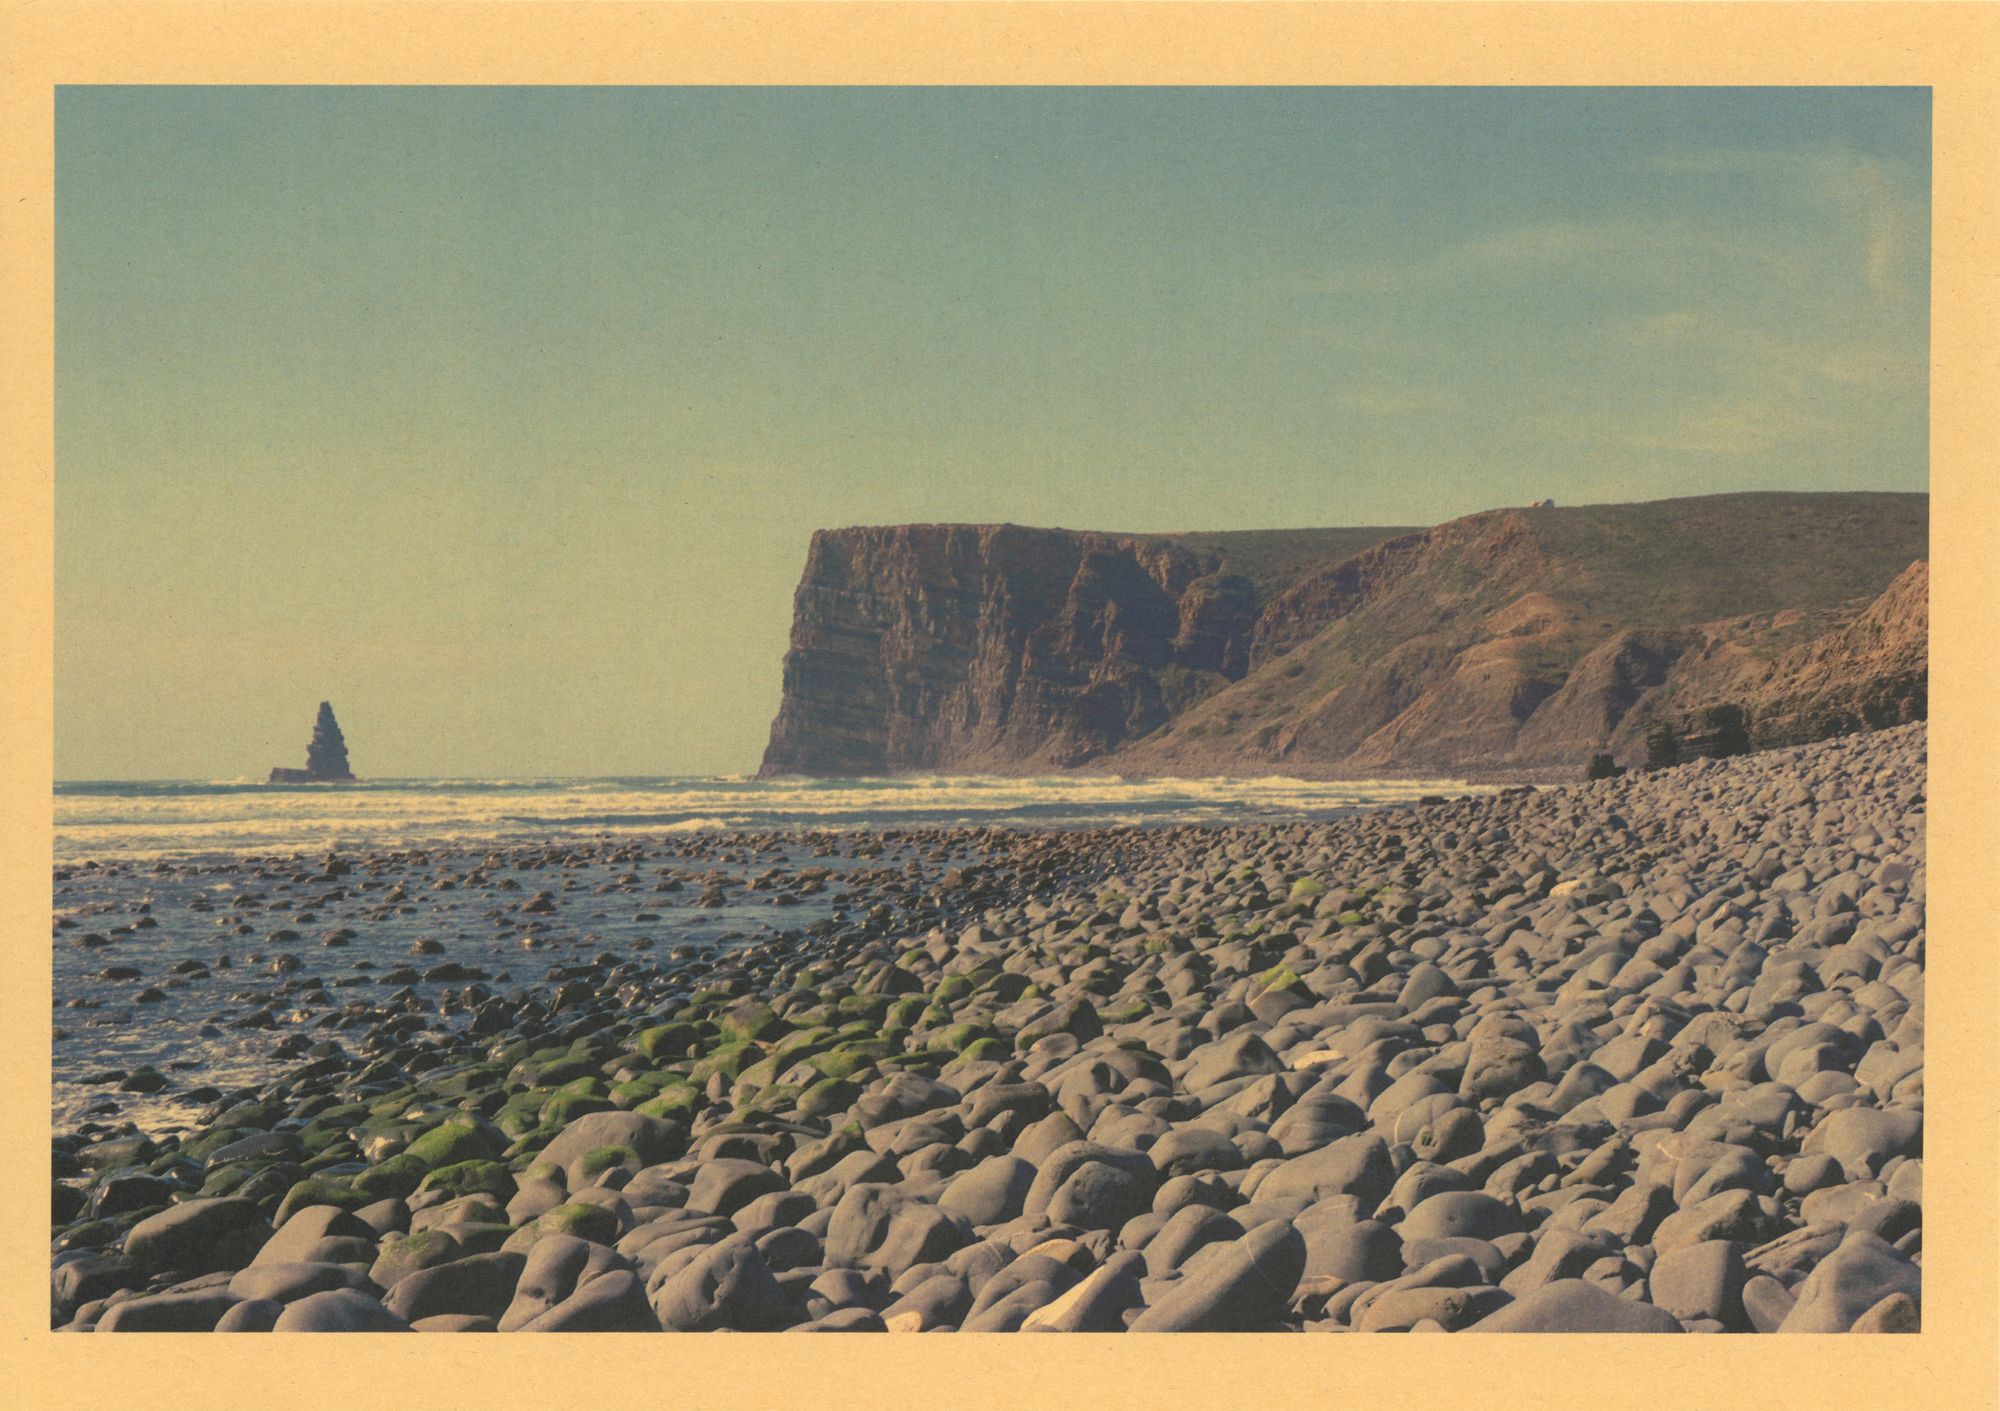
134,821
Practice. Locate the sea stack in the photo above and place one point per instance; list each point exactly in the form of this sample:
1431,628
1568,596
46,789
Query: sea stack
326,755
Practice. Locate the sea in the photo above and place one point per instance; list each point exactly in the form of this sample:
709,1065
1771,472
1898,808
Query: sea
182,819
200,925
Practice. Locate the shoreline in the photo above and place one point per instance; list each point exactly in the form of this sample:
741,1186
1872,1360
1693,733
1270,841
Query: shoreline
1594,1057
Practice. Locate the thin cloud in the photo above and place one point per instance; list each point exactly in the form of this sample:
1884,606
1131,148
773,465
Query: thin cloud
1737,427
1772,399
1543,245
1800,365
1864,187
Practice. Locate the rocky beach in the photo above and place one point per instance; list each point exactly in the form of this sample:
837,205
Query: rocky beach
1642,1054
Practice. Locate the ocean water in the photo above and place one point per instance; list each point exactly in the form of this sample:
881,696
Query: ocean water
182,819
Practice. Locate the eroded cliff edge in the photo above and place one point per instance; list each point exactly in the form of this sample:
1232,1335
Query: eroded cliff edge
1008,649
1514,642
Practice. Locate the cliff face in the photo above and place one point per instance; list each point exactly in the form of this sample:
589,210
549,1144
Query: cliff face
1509,641
997,647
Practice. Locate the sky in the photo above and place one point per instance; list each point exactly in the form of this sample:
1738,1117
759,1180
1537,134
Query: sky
502,417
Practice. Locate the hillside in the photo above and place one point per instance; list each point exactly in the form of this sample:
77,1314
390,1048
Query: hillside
1512,641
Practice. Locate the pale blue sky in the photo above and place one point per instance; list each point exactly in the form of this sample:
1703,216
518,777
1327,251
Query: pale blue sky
502,417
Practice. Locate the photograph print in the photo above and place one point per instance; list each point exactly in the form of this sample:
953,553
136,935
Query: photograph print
990,709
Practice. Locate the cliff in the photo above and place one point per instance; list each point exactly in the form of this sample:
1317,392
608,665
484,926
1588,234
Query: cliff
1509,642
994,647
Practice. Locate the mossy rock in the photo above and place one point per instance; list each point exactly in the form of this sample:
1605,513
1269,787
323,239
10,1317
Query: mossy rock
599,1159
679,1101
332,1155
467,1081
324,1139
530,1144
565,1107
200,1147
951,989
633,1091
593,1086
554,1072
399,1176
701,999
1280,977
426,1249
761,1074
258,1116
94,1234
1126,1012
471,1178
385,1136
580,1218
321,1190
802,1043
1307,887
845,1060
923,1061
904,1013
869,1007
826,1097
452,1141
224,1179
986,1050
749,1022
730,1060
1351,918
768,1104
959,1037
518,1121
667,1041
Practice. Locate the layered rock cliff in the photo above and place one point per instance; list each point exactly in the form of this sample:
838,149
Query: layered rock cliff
1515,641
995,647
